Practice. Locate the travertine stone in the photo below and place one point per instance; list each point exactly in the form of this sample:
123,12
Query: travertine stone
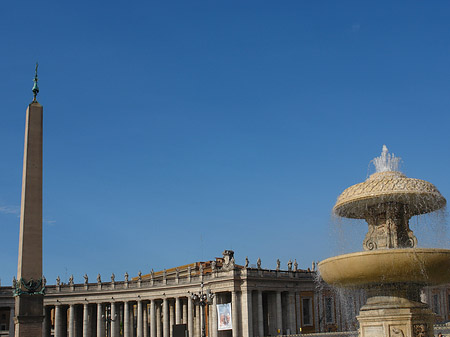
386,316
29,308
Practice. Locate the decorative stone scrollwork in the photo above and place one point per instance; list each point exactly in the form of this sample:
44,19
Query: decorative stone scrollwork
30,287
420,330
369,244
396,332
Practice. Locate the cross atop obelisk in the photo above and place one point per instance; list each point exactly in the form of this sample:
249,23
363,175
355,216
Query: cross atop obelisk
29,287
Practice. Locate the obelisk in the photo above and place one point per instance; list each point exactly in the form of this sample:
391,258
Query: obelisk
29,288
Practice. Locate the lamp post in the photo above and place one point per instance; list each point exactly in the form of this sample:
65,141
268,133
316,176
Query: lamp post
107,316
203,299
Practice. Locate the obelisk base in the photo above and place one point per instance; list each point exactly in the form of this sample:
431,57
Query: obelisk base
29,322
390,316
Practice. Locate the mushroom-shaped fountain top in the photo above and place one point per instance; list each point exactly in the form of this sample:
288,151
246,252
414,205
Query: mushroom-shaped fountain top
387,185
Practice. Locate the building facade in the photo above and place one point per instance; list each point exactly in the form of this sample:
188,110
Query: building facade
264,302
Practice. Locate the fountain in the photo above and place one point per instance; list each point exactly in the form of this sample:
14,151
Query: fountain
391,269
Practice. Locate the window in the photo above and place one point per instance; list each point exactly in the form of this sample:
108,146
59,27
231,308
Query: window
435,304
329,316
307,311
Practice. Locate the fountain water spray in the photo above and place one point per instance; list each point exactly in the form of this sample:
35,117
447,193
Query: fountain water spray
386,162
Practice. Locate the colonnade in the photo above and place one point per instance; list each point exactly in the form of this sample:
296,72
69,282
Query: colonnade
155,317
130,318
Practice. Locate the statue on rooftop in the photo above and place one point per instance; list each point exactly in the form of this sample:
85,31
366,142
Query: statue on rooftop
278,264
113,278
290,265
258,263
246,262
295,265
99,279
126,277
85,279
58,281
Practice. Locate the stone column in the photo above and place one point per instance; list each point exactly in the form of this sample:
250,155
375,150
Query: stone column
46,329
139,319
100,321
11,322
86,329
184,311
152,319
177,311
126,319
198,321
171,317
291,313
114,320
190,318
145,319
58,320
260,315
234,314
165,318
247,323
72,320
214,327
158,319
279,314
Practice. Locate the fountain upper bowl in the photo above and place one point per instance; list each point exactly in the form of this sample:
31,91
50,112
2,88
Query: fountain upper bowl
426,266
382,188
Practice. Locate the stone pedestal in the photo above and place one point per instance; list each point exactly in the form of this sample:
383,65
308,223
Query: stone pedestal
396,315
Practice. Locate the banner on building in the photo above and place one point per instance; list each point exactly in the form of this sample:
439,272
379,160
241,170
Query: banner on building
224,315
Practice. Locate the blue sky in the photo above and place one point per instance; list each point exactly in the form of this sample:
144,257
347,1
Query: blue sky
175,130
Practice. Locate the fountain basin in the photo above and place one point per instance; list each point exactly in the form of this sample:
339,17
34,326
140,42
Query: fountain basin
426,266
383,188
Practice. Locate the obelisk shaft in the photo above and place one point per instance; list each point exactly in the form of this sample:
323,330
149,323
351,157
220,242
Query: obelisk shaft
29,302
